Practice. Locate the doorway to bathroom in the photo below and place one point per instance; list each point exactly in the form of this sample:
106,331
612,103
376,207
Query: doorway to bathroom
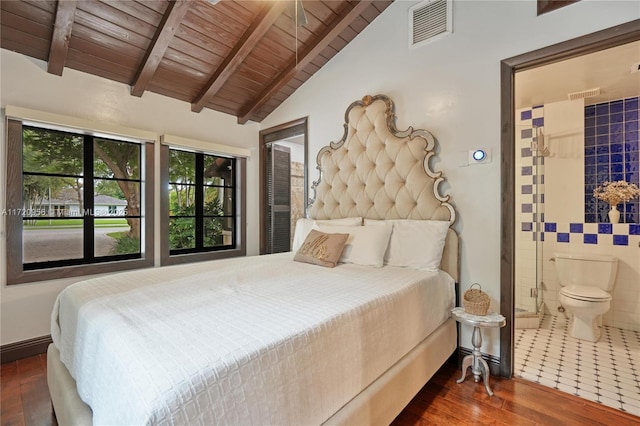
556,104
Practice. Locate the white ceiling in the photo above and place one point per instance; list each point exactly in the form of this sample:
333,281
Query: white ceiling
609,69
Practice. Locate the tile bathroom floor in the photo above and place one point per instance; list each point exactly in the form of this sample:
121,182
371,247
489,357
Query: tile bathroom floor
607,371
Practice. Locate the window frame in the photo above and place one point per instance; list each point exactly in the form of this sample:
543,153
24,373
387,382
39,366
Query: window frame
16,272
213,253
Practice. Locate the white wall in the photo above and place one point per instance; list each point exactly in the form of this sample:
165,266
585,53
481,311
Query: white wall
564,167
452,88
26,308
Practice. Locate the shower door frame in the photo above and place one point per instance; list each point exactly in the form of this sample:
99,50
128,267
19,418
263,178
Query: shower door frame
611,37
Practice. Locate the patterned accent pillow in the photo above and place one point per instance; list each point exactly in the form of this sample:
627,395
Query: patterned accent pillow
320,248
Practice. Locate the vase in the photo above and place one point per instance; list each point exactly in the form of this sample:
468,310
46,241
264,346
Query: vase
614,215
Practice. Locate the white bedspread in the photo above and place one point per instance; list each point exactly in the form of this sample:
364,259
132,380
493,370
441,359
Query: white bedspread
254,340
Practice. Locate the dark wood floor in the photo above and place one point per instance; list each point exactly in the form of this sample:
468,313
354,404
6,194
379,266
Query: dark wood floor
25,401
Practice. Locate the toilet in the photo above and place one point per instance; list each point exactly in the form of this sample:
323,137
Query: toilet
586,282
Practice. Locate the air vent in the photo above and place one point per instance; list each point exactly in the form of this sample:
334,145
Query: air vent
584,94
429,21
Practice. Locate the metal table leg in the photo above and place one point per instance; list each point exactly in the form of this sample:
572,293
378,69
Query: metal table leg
479,366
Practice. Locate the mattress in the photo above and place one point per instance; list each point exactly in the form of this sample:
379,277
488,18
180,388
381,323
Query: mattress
251,340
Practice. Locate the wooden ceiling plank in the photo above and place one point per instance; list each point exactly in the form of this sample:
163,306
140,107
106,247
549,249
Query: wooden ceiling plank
346,16
259,27
62,26
27,11
171,20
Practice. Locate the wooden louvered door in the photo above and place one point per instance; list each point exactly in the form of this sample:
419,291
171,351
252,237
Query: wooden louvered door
278,199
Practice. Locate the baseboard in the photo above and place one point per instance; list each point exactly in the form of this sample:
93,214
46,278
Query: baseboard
492,361
24,349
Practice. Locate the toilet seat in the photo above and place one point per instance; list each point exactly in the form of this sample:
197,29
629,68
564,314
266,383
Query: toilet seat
586,293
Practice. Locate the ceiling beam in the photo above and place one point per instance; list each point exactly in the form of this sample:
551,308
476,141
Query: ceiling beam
169,24
339,24
65,13
265,19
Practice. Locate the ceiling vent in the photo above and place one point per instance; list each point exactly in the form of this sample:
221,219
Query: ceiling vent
429,21
584,94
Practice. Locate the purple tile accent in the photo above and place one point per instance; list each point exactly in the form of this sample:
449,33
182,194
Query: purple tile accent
525,152
630,103
575,228
550,227
620,240
542,198
563,237
591,238
526,171
634,229
525,115
542,236
538,122
527,208
605,228
602,109
526,189
616,106
527,226
526,134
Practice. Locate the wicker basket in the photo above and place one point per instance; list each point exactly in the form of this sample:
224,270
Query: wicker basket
476,301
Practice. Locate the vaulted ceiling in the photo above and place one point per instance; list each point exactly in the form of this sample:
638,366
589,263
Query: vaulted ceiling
239,57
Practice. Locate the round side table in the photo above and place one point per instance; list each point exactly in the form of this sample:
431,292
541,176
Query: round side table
479,366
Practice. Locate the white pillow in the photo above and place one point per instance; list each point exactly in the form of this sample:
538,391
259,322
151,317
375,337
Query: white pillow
304,225
416,244
366,245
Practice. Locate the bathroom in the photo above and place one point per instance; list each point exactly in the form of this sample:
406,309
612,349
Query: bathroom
576,127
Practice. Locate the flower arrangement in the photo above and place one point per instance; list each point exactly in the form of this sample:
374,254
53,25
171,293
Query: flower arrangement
615,193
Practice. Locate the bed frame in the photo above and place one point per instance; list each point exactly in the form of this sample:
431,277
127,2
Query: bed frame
376,172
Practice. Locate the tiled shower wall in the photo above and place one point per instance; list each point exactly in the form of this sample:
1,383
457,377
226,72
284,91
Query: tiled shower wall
529,190
611,154
620,240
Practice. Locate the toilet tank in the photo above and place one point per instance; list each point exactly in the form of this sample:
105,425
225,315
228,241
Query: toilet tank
596,270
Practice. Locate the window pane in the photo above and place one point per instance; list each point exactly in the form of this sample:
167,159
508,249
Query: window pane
115,236
182,167
182,233
48,151
113,159
218,201
52,239
218,232
182,200
53,196
218,170
116,198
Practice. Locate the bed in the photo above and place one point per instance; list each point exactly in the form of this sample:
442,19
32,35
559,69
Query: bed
270,340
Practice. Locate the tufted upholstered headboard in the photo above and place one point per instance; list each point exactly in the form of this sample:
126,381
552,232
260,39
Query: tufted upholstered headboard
378,172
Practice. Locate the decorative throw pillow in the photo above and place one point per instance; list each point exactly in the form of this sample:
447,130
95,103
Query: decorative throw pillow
366,245
304,225
322,249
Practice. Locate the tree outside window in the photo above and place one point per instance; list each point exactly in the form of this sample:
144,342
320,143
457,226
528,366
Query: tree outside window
81,199
201,202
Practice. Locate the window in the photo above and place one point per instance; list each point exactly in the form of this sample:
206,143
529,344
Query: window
78,202
205,205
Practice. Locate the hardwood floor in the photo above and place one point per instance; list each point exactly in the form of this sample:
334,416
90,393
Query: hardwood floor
24,398
25,401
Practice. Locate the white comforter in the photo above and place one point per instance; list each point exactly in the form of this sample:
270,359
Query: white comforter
255,340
